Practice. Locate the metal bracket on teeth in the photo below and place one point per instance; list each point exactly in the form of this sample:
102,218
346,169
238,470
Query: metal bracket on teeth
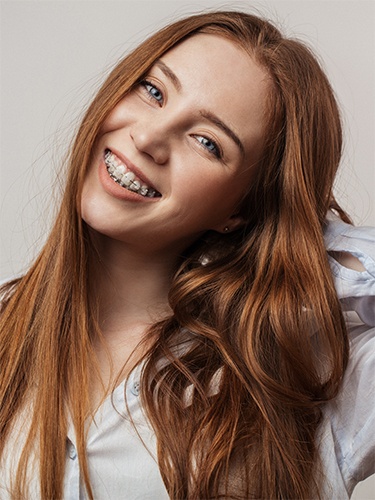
138,191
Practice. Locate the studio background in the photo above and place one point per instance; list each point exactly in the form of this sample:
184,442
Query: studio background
55,54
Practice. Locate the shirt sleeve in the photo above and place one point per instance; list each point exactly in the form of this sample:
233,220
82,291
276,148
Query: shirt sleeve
355,289
350,417
352,412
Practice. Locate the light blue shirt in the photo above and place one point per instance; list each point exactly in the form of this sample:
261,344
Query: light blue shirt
122,459
347,433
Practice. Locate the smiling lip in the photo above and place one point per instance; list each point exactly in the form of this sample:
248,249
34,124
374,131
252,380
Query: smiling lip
129,165
113,187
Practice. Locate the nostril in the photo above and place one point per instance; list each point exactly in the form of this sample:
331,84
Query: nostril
160,157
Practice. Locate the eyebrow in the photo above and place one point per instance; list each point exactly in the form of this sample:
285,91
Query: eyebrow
219,123
169,74
205,114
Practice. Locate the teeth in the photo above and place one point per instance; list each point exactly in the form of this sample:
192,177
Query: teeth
126,178
134,186
120,170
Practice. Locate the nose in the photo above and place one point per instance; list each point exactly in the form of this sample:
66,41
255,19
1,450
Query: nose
153,140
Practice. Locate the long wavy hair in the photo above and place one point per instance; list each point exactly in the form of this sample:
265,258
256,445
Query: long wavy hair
264,340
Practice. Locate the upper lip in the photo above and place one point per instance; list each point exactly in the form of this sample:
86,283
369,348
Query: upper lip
132,167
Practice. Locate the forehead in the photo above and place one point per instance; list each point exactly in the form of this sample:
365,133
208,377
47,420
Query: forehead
221,76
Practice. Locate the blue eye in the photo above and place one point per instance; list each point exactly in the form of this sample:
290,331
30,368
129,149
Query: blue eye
152,92
210,145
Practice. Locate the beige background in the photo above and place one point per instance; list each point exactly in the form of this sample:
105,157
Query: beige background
54,54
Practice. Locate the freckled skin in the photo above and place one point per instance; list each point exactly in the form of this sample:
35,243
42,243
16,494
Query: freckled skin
161,130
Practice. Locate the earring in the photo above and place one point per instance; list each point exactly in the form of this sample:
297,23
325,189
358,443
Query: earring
226,229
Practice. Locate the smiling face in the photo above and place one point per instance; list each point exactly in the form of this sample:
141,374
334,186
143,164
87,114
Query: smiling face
174,157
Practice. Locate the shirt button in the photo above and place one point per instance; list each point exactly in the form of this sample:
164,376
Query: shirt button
135,389
72,453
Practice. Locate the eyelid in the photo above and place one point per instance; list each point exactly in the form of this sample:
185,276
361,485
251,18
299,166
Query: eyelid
147,81
219,155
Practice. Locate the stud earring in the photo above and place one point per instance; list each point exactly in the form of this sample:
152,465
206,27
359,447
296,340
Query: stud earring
226,229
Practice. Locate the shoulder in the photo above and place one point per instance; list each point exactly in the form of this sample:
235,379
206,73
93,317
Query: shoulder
347,441
355,244
351,255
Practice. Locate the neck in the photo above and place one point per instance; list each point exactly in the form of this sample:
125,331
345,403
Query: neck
131,293
130,287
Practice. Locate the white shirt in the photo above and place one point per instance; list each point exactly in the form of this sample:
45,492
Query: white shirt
122,460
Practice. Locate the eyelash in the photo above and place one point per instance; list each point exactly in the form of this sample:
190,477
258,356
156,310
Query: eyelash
216,152
145,84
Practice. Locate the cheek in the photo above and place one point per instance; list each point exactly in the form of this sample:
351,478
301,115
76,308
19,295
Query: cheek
111,123
214,199
88,197
196,184
117,117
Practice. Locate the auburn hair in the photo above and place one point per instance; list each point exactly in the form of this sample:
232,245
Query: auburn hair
263,336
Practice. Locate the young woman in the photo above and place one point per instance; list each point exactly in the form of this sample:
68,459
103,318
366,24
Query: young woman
180,335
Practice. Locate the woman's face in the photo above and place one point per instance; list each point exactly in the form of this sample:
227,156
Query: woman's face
174,157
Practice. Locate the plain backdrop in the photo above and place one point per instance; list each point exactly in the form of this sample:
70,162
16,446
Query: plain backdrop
55,54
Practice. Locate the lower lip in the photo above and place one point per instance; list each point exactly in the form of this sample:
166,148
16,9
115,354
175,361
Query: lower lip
114,189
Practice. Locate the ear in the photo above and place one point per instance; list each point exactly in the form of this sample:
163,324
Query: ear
235,221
